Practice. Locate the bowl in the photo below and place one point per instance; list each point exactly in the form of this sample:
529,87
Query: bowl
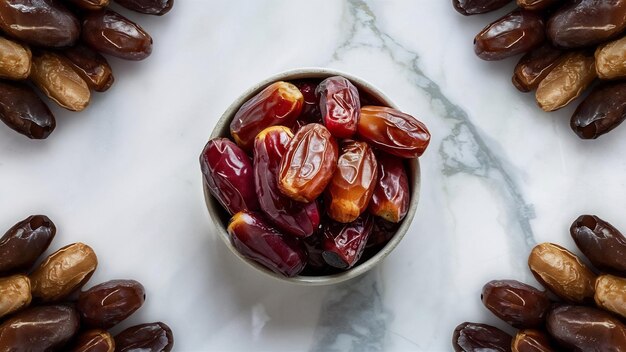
220,217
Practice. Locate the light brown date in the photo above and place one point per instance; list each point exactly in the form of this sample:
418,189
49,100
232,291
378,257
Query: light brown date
610,63
611,294
15,60
14,294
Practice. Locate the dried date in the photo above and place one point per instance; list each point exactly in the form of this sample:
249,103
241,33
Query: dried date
149,7
391,197
473,337
14,294
94,341
601,243
91,66
104,306
15,60
534,67
344,243
520,305
340,106
531,341
601,111
152,337
23,243
22,110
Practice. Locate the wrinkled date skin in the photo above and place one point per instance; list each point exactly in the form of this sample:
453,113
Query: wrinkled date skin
393,131
601,243
310,108
340,106
44,23
44,328
610,63
391,197
382,232
344,243
475,7
308,164
280,103
534,67
473,337
582,23
23,243
537,5
350,190
255,239
149,7
110,33
586,329
229,176
63,272
90,4
91,66
602,111
520,305
315,261
94,341
291,217
531,341
152,337
15,60
611,294
14,294
105,305
22,110
562,272
518,32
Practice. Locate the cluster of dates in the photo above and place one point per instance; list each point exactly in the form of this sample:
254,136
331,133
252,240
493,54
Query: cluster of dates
591,306
44,310
326,180
56,45
569,45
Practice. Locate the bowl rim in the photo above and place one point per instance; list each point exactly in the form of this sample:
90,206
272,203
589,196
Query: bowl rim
215,211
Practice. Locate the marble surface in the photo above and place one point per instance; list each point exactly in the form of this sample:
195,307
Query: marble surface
499,176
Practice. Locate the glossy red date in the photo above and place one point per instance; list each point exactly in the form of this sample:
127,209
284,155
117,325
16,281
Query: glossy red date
340,106
392,196
344,243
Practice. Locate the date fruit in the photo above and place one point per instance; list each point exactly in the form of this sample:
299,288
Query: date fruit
44,328
63,272
537,5
15,60
393,131
602,111
91,5
583,23
350,190
531,341
475,7
586,329
44,23
23,243
152,337
22,110
610,63
91,66
340,106
110,33
315,261
611,294
310,108
520,305
516,33
344,243
56,77
149,7
534,67
94,341
14,294
391,197
473,337
568,79
291,217
255,239
308,164
280,103
601,243
229,176
382,232
105,305
562,272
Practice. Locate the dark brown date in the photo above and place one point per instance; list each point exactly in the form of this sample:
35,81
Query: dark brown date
104,306
391,197
152,337
531,341
94,341
602,111
255,239
310,108
315,261
90,4
382,232
91,66
537,5
291,217
475,7
149,7
350,190
473,337
23,243
586,329
520,305
229,176
22,110
308,164
280,103
393,131
344,243
534,67
111,33
601,243
44,328
44,23
518,32
582,23
340,106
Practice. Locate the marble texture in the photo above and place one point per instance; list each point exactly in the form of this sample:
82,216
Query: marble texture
500,175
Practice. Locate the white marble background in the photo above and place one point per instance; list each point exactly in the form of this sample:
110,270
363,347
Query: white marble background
499,175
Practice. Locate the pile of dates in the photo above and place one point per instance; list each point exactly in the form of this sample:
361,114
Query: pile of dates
315,177
570,46
584,311
42,309
56,46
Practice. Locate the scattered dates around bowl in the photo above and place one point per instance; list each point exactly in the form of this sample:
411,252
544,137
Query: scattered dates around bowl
313,182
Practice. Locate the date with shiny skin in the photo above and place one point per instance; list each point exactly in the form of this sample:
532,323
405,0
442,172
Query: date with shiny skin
520,305
531,341
91,66
340,106
15,60
391,197
474,337
537,5
611,294
475,7
148,7
14,294
601,243
601,111
152,337
344,244
310,108
22,244
91,5
534,67
23,111
107,304
94,341
610,63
